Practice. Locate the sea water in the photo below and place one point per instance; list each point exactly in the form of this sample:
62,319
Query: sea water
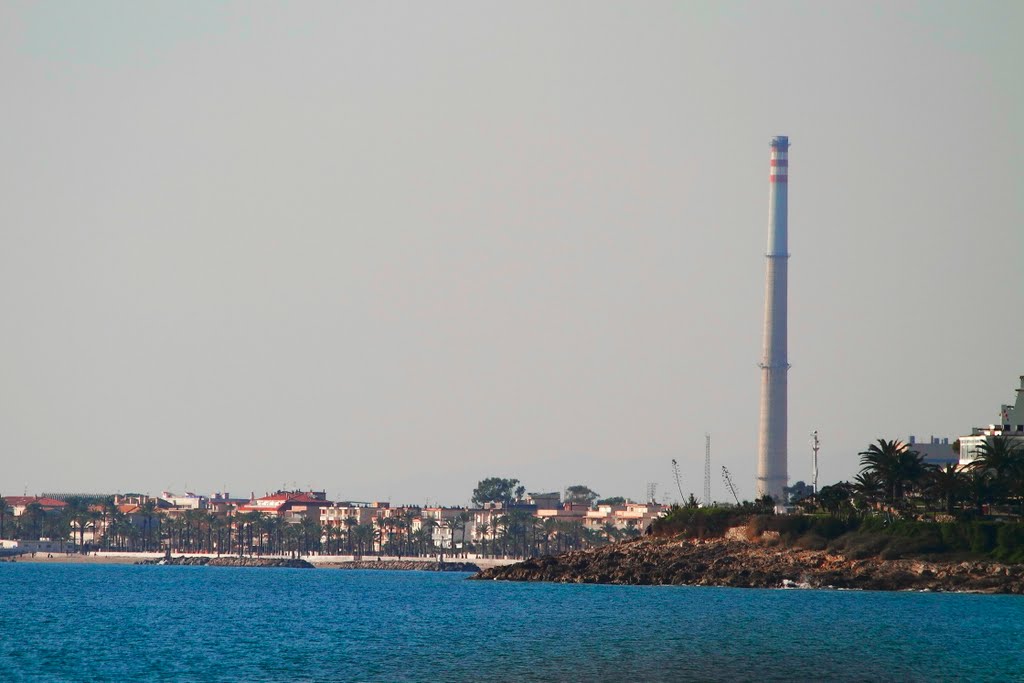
71,622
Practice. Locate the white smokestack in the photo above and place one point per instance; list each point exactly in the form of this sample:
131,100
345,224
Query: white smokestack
771,450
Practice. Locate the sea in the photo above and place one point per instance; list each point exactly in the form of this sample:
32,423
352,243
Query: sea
79,622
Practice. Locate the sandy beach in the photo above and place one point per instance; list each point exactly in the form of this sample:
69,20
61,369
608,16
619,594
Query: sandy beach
92,558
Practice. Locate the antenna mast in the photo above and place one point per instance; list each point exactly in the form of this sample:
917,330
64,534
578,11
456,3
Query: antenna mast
815,445
652,488
707,470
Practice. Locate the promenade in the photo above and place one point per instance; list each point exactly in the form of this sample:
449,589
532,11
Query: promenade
321,561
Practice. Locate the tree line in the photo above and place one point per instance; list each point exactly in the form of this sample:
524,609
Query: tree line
895,480
515,532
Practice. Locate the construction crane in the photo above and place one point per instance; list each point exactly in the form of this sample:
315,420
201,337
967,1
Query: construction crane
728,483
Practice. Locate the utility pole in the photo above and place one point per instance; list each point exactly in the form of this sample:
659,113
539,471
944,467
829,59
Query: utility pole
707,470
815,445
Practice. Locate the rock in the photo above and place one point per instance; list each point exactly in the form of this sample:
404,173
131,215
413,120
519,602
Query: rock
743,564
232,561
408,565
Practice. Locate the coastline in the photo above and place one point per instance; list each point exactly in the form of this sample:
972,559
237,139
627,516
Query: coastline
746,564
63,558
386,563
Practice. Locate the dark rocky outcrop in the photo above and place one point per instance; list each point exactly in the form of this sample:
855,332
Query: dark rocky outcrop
408,565
736,563
232,561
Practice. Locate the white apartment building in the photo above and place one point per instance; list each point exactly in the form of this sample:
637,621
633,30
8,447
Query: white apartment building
1010,425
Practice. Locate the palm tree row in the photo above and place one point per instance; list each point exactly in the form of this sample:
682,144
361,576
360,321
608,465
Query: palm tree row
895,479
101,525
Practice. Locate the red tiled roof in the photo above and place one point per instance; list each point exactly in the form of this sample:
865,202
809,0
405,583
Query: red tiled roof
28,500
295,498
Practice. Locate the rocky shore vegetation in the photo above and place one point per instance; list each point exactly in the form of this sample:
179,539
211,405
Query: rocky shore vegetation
718,547
746,564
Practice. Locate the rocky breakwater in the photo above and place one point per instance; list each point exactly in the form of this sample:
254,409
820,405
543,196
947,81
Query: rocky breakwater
231,562
408,565
653,561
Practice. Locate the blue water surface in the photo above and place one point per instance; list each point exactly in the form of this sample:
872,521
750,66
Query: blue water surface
64,622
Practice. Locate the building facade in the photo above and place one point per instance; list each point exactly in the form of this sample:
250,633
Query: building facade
1010,426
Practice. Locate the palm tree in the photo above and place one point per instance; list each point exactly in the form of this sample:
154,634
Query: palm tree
148,511
980,490
79,516
594,537
551,530
110,513
464,518
947,484
869,488
4,507
835,499
895,464
401,526
1003,461
999,455
453,524
499,534
408,517
311,534
427,526
218,525
350,523
364,535
481,530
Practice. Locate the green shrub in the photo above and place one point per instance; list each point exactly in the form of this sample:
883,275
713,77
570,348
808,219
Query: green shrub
873,536
1010,543
983,536
811,541
698,522
859,545
955,536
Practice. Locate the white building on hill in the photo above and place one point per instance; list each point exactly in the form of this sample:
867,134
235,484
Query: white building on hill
1010,425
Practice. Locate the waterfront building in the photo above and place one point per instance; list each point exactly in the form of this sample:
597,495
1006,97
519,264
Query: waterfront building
444,519
1010,426
43,545
488,519
627,516
567,512
544,500
338,514
223,505
289,504
188,501
18,504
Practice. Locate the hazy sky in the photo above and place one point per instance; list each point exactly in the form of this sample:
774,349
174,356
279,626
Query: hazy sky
389,249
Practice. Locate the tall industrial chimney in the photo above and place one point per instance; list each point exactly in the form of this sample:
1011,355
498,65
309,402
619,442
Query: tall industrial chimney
771,449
